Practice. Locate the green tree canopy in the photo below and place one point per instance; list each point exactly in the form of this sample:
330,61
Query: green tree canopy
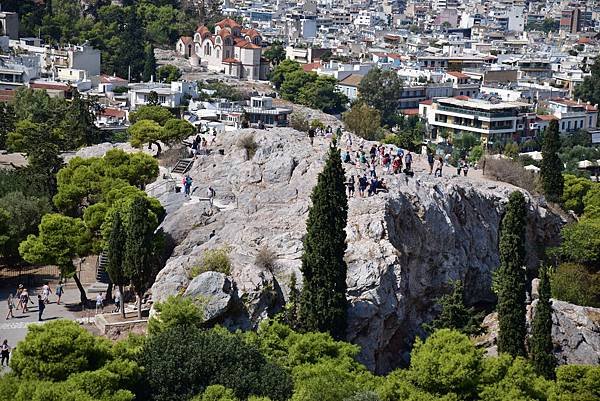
589,90
168,73
363,120
175,311
275,53
57,349
60,239
381,89
158,114
279,73
575,190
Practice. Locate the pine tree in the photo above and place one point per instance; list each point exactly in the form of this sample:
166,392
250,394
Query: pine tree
323,301
149,63
455,314
116,252
140,255
80,122
552,167
511,278
540,342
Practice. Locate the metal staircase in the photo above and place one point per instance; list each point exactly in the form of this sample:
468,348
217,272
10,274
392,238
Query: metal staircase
182,166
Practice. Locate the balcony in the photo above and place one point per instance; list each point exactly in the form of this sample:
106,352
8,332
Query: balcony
476,112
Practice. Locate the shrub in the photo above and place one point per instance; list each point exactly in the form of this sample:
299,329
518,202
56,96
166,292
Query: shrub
56,349
265,258
299,122
216,260
512,172
182,362
574,283
175,311
248,143
581,242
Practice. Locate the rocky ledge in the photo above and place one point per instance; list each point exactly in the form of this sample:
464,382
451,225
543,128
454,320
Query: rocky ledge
403,246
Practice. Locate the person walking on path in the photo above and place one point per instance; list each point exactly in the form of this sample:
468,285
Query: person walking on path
11,306
41,307
18,296
465,168
46,291
4,353
350,184
311,135
99,303
438,168
117,298
25,300
59,291
187,185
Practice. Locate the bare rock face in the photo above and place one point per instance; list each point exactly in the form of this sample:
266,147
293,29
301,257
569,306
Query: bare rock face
575,333
213,288
403,247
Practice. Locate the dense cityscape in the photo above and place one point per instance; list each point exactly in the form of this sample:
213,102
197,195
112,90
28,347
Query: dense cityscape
325,200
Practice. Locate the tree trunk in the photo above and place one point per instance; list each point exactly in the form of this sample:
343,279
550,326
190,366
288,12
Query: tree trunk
122,301
109,292
139,306
82,293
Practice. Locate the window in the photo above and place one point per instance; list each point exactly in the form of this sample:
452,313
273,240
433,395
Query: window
162,99
590,123
568,125
562,125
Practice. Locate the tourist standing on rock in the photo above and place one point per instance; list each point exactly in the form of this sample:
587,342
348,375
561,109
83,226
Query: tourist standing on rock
59,291
211,195
438,168
465,168
362,185
41,307
4,353
311,135
350,184
11,306
187,184
99,303
408,162
430,160
46,291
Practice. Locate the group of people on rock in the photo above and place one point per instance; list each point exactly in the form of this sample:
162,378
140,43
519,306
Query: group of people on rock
200,143
327,132
389,158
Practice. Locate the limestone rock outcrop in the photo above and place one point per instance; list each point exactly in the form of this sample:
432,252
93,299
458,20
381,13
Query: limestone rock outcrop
403,246
575,333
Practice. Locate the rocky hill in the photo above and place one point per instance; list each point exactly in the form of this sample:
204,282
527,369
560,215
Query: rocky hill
403,246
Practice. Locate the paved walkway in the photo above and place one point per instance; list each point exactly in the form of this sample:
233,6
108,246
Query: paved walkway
15,329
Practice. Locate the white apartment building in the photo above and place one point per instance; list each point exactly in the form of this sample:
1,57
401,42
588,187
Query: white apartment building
490,121
573,116
168,95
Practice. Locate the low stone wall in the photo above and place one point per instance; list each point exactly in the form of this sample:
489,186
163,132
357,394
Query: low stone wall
116,330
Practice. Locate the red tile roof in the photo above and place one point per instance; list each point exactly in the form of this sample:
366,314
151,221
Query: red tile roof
462,97
427,102
458,74
54,86
112,112
311,66
231,61
227,22
244,44
410,112
186,40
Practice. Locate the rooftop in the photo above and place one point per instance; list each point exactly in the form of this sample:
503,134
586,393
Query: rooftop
481,104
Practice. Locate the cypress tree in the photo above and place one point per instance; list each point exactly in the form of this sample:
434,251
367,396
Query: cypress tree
540,342
552,167
511,278
149,63
323,301
140,255
116,252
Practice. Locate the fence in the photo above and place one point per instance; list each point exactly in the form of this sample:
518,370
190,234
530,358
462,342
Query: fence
29,276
